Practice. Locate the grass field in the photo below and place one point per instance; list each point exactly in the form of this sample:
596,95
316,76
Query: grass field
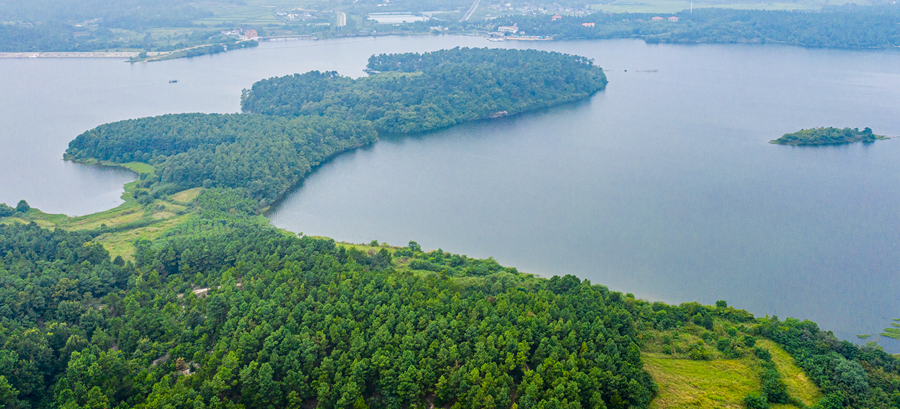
186,196
125,223
122,243
684,383
798,384
716,382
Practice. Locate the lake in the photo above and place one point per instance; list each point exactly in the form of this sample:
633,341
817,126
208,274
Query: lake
663,185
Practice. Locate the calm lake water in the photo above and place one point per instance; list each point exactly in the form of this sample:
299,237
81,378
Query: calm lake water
662,185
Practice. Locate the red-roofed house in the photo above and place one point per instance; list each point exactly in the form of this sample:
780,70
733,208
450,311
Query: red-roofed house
250,34
588,24
657,18
557,17
673,19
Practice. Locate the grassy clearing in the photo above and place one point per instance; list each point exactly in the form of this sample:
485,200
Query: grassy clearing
122,243
798,384
721,380
702,384
147,222
186,196
110,218
24,219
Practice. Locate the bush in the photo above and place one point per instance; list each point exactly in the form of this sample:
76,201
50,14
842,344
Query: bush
723,344
749,341
773,386
6,210
762,353
698,352
756,401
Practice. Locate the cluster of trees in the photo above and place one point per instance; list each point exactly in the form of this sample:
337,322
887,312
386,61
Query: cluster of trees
264,155
21,207
845,27
850,376
230,44
422,92
51,283
827,136
774,390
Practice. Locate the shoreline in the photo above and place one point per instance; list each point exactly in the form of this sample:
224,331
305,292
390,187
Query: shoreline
73,54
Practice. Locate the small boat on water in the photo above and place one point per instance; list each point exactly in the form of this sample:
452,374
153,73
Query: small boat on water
172,81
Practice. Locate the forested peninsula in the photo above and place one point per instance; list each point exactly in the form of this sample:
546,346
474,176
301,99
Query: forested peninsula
827,136
295,123
184,297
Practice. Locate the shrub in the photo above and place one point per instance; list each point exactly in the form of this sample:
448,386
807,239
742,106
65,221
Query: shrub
6,210
773,386
756,401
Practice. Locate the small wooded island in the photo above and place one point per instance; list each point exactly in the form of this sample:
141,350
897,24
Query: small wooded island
827,136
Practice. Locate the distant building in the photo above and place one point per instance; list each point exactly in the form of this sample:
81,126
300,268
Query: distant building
508,29
588,24
673,19
556,17
657,18
250,34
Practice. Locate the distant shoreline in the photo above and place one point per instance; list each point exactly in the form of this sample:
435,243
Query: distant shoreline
89,54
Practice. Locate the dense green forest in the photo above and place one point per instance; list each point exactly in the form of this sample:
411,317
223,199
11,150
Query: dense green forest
845,27
422,92
223,312
264,155
827,136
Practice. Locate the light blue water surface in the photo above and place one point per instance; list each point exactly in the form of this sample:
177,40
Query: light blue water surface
662,185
